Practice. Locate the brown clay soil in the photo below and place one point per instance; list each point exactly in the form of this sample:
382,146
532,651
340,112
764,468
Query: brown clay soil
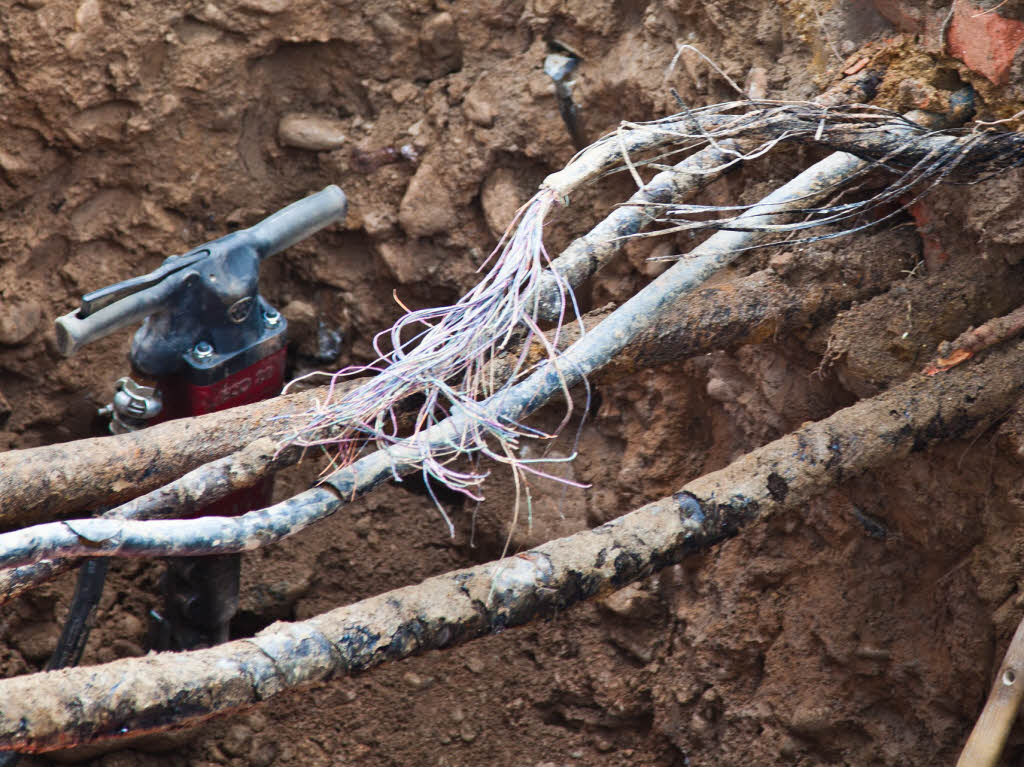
862,629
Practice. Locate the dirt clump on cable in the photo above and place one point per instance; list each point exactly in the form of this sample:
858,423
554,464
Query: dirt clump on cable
860,629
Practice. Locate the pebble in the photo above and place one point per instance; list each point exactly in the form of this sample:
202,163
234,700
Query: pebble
264,752
500,198
361,526
265,6
404,91
757,83
427,208
312,132
18,321
467,732
478,109
417,682
439,38
474,664
632,603
237,740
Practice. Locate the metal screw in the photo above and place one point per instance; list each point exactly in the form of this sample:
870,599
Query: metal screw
272,317
202,351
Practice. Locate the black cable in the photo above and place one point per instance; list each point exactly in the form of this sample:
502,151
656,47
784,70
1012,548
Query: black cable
92,576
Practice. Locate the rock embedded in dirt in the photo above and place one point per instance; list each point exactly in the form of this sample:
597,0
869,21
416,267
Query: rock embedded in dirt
18,321
302,325
313,132
500,198
404,91
237,740
633,603
479,108
440,43
417,682
756,86
264,752
427,207
269,7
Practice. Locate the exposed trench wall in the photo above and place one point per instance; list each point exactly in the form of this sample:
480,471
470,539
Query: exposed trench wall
130,130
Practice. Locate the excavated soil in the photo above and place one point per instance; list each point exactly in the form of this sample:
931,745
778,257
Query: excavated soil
863,629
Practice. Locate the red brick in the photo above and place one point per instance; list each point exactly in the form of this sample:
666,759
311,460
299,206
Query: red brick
985,42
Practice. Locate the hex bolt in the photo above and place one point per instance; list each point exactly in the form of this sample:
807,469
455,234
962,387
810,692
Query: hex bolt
272,318
202,350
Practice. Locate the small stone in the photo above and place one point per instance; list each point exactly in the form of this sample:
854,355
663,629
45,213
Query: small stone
403,265
500,197
264,752
474,664
757,83
427,207
404,91
378,222
781,263
328,343
237,741
302,323
89,16
350,696
467,732
18,321
603,745
312,132
632,603
256,721
478,109
445,738
417,682
265,6
439,41
458,715
811,720
131,626
361,527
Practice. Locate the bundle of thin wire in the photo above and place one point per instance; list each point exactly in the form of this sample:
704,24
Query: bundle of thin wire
445,361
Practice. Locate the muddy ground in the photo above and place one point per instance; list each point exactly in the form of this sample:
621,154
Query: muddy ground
133,129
